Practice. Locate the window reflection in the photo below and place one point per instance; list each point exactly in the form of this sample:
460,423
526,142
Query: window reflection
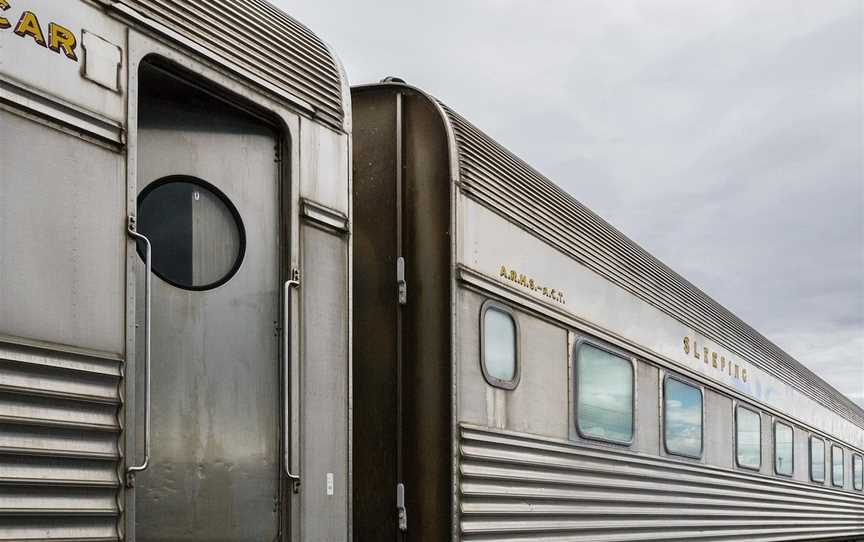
683,418
817,460
858,472
749,439
604,406
783,454
499,345
837,466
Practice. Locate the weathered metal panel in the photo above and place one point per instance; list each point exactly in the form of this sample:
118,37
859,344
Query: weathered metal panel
497,178
59,454
263,40
520,487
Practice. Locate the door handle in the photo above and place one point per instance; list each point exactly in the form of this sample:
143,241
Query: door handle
287,305
131,229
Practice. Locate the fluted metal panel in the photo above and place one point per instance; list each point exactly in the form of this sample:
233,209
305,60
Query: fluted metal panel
59,438
518,487
494,176
262,39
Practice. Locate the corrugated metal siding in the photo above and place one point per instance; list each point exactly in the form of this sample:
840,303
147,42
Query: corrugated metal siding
496,177
262,39
517,487
59,438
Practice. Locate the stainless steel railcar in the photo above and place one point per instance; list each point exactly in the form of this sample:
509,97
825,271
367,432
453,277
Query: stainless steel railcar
207,400
523,371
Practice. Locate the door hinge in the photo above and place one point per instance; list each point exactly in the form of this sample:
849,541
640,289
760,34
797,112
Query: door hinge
400,507
401,284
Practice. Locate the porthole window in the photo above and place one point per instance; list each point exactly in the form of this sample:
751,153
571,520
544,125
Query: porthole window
817,460
682,418
196,234
604,395
837,466
748,438
784,463
500,350
858,472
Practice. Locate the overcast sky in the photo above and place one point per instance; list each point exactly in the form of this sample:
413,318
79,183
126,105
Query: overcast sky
725,137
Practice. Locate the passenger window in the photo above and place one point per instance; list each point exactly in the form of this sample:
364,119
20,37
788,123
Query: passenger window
749,438
858,472
837,466
682,410
783,449
817,459
499,358
604,392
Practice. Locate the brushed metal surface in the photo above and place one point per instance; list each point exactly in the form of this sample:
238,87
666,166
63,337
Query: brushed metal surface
260,38
520,487
59,457
214,473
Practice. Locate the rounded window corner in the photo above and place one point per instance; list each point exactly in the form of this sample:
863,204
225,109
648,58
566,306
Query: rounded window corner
170,212
504,357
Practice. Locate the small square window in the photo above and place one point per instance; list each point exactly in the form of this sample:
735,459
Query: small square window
499,357
682,418
837,466
817,460
784,460
748,438
604,395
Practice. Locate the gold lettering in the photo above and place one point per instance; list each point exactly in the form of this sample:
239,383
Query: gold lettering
4,22
28,25
503,272
705,352
744,375
523,280
61,39
696,350
532,284
686,345
736,371
714,359
722,363
513,276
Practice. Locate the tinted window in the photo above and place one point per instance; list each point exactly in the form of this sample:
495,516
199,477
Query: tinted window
682,408
858,472
817,459
783,449
749,438
499,347
196,235
837,466
604,407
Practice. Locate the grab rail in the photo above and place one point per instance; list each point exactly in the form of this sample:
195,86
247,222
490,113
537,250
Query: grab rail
287,305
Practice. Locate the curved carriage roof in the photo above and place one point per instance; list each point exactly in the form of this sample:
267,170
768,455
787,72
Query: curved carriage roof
493,175
263,40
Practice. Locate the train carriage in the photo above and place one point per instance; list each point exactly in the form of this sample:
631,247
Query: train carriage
523,371
174,273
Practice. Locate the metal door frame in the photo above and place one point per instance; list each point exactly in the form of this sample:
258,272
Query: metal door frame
286,123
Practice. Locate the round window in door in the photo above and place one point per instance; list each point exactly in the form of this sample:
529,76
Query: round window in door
196,234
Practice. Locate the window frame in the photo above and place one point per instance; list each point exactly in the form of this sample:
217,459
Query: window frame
842,466
810,450
681,380
513,383
232,209
855,478
737,455
792,428
619,354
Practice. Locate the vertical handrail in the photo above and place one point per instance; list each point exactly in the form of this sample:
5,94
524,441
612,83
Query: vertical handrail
287,367
148,261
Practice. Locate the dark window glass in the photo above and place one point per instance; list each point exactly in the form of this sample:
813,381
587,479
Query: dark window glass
783,449
682,408
817,459
749,438
196,235
604,407
837,466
